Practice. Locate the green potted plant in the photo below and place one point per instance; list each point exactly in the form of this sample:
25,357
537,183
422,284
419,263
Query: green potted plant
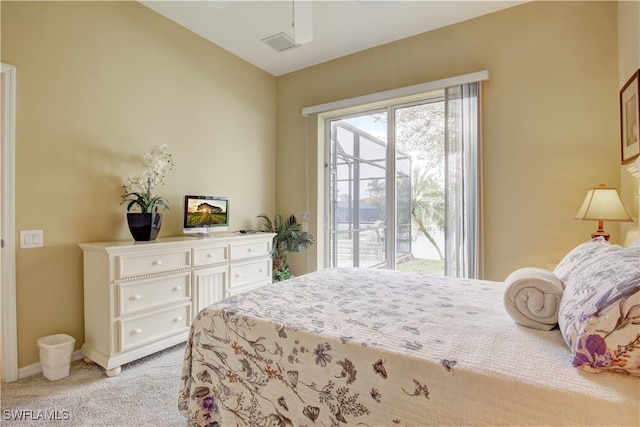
289,238
143,217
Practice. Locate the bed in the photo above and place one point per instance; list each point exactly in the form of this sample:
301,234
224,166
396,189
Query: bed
350,346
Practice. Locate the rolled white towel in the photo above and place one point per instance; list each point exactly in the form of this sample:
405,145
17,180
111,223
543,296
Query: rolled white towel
532,297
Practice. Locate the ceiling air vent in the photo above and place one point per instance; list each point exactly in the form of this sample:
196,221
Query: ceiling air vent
280,42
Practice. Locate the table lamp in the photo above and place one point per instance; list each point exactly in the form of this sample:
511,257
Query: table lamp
603,204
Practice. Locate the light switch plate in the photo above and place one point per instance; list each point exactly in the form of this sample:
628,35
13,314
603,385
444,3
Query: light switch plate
31,239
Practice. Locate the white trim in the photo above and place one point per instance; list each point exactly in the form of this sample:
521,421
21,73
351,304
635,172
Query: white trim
398,93
36,368
8,257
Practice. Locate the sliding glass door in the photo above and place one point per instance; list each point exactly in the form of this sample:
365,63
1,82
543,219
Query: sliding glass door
420,183
374,214
358,182
400,179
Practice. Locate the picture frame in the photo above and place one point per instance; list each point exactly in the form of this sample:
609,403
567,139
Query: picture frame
630,120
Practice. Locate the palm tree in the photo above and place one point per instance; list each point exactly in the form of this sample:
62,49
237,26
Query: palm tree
289,238
428,204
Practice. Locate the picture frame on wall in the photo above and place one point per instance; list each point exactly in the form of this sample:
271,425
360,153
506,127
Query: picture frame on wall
630,120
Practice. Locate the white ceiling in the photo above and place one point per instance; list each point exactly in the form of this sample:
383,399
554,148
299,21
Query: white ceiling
340,27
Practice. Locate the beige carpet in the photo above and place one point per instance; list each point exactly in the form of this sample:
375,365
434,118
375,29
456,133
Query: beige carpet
144,394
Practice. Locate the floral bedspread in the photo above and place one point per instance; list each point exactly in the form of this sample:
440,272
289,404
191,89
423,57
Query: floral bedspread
380,348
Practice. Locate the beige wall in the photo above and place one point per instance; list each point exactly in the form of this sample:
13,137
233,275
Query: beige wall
550,125
629,63
98,84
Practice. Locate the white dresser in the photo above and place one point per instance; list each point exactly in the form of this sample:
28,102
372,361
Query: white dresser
140,297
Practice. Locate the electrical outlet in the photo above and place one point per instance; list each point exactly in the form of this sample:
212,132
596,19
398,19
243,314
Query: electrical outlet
31,239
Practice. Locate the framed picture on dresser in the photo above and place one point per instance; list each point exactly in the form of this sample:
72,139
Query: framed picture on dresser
630,120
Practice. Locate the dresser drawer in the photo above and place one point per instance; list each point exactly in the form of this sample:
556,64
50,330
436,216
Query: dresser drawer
249,250
210,255
152,262
141,330
141,295
242,276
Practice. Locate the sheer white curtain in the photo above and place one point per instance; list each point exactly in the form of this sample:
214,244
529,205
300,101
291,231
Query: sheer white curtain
462,180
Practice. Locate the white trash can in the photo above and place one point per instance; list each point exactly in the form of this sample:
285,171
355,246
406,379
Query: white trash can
55,355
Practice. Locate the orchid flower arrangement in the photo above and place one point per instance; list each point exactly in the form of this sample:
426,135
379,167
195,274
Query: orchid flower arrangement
139,191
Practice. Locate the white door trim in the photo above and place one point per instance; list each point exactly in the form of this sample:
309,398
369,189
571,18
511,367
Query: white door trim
7,218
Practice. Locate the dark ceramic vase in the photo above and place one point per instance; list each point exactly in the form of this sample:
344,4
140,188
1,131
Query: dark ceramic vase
144,226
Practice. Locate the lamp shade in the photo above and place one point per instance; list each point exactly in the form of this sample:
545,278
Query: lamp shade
603,204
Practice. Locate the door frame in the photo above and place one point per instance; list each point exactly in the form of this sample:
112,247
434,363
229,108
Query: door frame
7,221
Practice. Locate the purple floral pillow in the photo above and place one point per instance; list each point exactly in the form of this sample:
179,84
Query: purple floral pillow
599,314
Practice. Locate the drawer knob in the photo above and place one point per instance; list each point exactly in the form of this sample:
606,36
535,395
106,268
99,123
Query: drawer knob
250,250
178,319
238,274
157,262
177,288
136,331
134,297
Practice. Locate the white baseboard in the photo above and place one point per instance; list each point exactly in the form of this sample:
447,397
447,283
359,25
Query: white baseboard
36,368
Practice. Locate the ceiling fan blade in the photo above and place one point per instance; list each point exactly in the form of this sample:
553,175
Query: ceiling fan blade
302,21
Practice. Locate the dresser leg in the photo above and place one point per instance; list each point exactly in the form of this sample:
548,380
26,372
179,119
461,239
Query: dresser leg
114,372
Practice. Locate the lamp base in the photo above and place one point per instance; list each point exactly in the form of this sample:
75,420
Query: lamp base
601,233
